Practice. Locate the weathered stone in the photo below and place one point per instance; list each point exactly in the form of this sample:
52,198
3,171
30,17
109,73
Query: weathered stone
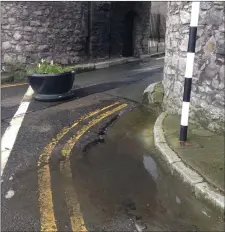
11,20
171,71
221,86
222,28
35,23
184,17
21,59
18,48
215,83
39,38
5,27
6,45
38,13
27,38
184,44
207,98
17,36
205,5
63,28
64,60
9,58
219,5
43,30
153,93
27,28
43,48
221,72
25,12
30,48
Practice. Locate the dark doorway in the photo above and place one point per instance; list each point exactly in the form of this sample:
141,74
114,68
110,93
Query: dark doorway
128,35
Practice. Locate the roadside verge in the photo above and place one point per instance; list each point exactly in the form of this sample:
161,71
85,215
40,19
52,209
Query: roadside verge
200,187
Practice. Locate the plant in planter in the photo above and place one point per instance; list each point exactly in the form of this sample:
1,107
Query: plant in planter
50,81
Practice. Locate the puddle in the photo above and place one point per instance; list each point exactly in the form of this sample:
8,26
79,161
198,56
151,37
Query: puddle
121,186
151,166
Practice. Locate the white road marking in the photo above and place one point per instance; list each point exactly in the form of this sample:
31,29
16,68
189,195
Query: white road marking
160,58
9,137
9,194
139,228
178,201
206,214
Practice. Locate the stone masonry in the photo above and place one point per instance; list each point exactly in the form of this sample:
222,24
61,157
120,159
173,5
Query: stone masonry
69,32
53,30
141,26
207,98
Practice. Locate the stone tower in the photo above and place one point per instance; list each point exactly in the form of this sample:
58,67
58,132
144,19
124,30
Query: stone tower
207,97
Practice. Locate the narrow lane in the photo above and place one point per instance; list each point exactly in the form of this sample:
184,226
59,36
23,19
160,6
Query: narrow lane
119,183
100,173
85,84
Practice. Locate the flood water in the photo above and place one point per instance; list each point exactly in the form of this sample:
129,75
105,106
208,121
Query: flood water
122,185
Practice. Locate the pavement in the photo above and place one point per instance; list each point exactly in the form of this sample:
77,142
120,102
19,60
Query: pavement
19,76
90,164
200,163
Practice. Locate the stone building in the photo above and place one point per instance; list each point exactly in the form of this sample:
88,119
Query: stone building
71,32
207,97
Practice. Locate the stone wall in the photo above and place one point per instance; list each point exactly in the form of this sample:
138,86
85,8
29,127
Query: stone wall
119,11
31,30
207,98
69,32
99,29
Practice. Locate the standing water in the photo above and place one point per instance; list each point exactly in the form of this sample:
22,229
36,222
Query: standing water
123,186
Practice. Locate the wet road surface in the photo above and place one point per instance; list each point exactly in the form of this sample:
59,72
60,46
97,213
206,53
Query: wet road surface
10,100
90,164
117,182
89,83
120,79
120,182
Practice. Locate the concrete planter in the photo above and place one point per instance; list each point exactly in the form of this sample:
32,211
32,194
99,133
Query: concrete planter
52,87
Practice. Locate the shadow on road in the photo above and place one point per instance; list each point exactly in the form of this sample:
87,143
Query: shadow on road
92,89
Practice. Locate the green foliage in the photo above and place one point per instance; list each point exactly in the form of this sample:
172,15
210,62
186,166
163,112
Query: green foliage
48,68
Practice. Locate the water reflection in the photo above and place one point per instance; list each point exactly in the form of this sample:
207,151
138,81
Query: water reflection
151,166
121,185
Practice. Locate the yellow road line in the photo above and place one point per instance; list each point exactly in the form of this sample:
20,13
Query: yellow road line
12,85
76,217
47,218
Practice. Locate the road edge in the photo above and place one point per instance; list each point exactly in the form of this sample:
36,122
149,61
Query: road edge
9,137
88,67
199,186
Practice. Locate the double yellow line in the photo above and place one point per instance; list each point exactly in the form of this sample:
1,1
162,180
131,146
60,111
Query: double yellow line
47,217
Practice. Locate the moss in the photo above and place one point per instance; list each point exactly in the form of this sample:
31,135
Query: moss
158,93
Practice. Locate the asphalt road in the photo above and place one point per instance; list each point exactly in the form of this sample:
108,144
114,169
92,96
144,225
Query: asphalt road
90,164
89,83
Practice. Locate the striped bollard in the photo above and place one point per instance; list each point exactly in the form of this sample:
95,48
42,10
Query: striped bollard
189,71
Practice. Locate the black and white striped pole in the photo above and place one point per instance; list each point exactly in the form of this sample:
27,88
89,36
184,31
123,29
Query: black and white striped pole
189,71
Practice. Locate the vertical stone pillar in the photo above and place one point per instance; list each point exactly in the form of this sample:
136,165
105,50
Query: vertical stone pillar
207,97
